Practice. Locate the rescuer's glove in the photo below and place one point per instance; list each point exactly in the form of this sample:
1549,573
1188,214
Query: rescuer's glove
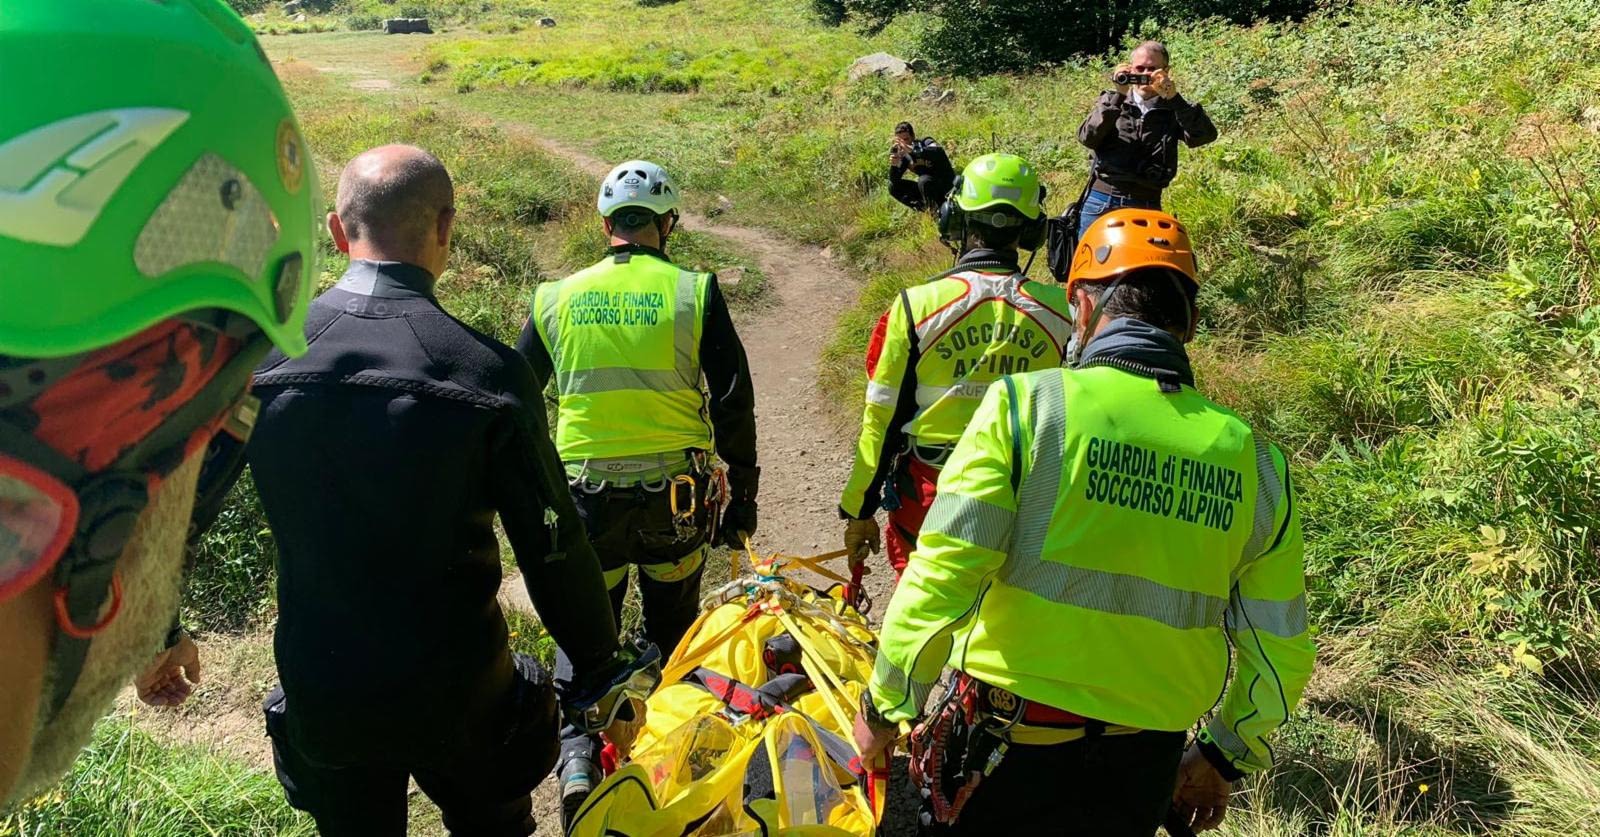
862,538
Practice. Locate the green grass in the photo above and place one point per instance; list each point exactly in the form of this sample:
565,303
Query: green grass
126,782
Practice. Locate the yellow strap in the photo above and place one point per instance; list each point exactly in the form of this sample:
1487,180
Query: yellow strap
814,564
1025,734
820,675
689,660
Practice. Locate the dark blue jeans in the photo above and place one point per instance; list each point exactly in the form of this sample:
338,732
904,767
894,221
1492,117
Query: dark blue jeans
1099,203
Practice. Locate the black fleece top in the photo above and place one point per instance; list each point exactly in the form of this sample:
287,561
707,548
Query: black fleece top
382,457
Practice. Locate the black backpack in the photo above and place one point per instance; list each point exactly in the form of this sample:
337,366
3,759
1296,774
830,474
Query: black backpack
1061,235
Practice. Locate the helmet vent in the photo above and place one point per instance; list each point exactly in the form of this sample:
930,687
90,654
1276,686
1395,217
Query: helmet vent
187,228
1116,222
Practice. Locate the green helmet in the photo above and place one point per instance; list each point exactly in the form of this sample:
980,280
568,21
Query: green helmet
1000,180
149,165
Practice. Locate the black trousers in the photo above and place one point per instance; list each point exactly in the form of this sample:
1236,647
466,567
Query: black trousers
482,791
633,526
923,194
1103,786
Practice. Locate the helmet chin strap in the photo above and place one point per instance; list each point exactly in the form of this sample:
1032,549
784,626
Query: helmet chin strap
1105,299
1188,304
1094,320
668,230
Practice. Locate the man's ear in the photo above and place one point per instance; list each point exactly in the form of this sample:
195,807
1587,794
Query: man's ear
606,222
336,229
447,220
1082,304
1194,322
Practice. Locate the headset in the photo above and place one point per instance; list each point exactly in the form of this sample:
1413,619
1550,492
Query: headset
953,220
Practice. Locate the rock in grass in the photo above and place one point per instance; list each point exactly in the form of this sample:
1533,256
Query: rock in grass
879,64
547,22
406,26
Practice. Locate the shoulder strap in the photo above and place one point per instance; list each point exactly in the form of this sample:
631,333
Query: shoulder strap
911,332
1016,434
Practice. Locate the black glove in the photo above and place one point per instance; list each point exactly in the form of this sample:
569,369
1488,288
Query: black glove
739,517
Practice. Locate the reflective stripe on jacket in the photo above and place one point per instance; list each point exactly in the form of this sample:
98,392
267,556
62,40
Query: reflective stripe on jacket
624,338
942,344
1095,544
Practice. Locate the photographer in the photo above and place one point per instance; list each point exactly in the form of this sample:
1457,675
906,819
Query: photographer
1134,132
925,159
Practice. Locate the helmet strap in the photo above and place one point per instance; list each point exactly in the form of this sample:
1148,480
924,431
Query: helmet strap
1094,319
664,229
1188,306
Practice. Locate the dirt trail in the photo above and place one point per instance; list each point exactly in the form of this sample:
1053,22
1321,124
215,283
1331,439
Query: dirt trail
804,446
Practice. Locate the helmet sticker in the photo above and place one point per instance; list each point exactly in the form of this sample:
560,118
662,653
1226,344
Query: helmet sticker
291,157
56,179
214,214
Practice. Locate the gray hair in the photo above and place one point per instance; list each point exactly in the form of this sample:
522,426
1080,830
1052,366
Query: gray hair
1155,47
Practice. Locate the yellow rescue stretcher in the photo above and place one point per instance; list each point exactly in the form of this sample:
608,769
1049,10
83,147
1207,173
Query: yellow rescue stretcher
750,731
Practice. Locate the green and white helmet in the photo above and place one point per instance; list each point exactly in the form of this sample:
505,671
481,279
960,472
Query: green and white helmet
150,165
637,183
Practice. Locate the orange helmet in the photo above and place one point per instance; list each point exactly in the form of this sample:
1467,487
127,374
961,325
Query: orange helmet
1126,240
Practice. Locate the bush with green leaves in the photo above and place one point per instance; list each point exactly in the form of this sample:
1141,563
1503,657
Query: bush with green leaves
986,36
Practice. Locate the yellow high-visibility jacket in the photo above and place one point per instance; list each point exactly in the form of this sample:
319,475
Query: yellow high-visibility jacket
935,351
1096,541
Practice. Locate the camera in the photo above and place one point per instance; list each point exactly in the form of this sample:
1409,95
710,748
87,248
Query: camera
1130,78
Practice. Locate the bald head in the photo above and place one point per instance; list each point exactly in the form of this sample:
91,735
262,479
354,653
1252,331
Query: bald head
395,203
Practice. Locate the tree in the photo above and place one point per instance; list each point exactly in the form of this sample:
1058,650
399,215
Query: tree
979,36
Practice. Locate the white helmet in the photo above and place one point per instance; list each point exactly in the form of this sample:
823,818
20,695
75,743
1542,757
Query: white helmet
637,183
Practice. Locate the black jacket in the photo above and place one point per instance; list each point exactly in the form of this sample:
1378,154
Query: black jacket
727,372
927,158
382,457
1136,153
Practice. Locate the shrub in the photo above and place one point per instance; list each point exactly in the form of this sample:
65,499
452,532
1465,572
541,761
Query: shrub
985,36
831,12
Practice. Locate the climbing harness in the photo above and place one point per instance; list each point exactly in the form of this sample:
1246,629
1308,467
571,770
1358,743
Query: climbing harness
966,737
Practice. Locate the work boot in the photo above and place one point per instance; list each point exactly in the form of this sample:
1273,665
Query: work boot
577,778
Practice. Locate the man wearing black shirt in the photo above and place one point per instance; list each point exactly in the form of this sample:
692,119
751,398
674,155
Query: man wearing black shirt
1134,131
382,457
926,160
